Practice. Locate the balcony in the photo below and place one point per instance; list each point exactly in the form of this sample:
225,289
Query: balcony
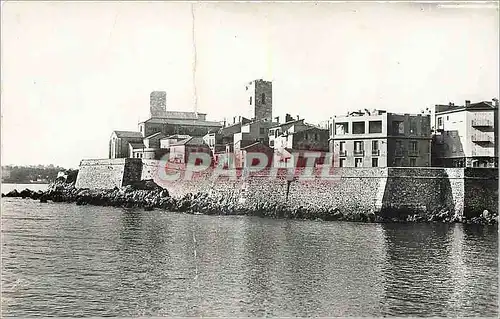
359,152
482,138
482,123
398,152
343,153
375,152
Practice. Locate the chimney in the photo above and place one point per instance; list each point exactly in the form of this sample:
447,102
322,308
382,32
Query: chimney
495,102
234,119
277,118
224,122
298,118
158,103
467,103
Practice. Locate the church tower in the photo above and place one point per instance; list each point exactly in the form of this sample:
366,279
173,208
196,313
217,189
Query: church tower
259,100
158,104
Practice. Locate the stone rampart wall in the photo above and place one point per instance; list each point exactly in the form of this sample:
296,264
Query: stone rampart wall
107,173
481,191
385,190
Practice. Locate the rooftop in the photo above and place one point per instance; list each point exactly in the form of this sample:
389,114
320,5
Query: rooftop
254,144
127,134
190,141
451,107
181,115
136,146
189,122
288,123
176,137
158,134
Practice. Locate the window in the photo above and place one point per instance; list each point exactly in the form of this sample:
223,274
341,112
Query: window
342,146
271,143
341,128
342,162
375,127
398,128
316,136
413,126
263,98
375,150
399,148
413,146
440,121
454,148
250,100
447,117
358,162
413,162
358,127
262,130
358,145
375,162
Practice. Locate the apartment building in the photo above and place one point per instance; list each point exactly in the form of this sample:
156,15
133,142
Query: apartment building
466,135
377,138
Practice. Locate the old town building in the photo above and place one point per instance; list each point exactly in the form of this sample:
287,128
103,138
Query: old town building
293,139
466,135
119,143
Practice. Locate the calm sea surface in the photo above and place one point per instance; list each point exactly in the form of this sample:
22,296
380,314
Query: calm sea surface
67,260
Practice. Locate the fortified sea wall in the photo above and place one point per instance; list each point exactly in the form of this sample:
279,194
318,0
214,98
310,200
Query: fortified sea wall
387,191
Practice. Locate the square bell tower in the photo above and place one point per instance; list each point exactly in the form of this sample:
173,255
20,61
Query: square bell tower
259,100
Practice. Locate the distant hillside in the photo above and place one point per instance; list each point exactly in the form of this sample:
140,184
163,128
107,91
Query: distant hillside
30,174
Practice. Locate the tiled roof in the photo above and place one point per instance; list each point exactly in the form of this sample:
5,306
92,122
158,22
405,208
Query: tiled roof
191,141
127,134
180,115
176,137
288,123
190,122
254,144
136,146
154,135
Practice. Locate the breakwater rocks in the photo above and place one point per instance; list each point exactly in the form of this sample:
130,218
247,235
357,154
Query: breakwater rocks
148,195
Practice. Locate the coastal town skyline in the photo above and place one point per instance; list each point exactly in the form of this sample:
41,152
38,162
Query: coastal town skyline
64,95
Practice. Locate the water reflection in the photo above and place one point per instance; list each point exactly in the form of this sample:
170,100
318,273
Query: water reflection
67,260
431,265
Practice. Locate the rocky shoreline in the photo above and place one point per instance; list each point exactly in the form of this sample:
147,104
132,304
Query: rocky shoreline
148,196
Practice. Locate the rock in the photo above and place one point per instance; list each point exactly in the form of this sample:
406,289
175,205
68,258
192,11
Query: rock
81,201
25,193
44,198
36,195
13,193
486,214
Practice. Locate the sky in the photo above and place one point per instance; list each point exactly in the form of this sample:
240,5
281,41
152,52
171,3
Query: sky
72,72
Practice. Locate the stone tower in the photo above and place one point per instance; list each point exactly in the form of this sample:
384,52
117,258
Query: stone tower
158,104
259,100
